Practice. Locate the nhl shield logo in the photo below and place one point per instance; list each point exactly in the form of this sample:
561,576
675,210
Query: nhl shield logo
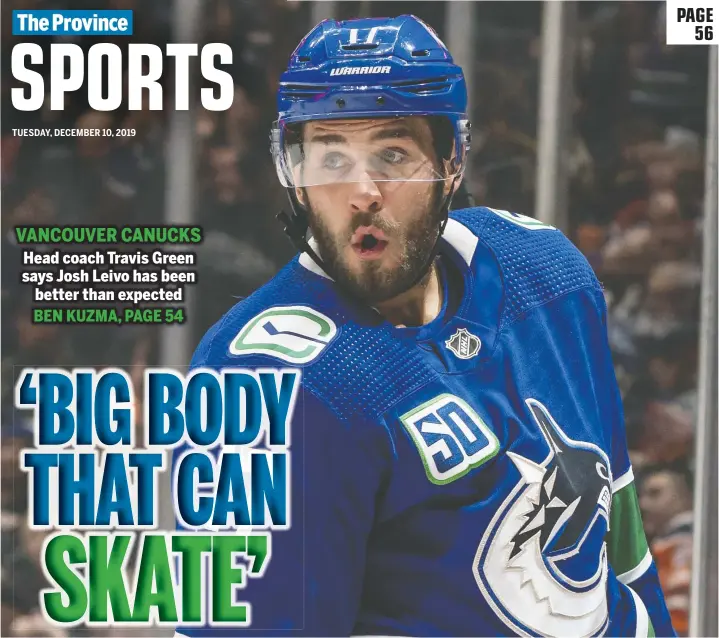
464,344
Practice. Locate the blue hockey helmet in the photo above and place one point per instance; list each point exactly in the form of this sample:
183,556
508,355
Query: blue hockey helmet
371,68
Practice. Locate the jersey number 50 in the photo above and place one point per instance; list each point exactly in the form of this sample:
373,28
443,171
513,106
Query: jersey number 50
450,436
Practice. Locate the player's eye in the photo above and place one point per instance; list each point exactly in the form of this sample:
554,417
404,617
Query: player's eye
393,156
334,161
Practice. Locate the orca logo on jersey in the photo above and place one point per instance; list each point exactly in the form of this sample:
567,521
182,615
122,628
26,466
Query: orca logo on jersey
542,562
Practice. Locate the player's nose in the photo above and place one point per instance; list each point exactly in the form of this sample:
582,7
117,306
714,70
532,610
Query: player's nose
365,195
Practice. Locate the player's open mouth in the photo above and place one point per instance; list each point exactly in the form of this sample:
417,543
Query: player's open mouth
369,242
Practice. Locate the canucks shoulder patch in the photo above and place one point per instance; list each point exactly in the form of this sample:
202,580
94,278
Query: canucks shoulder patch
296,334
521,220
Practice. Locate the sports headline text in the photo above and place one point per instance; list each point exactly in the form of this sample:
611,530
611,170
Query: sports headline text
95,482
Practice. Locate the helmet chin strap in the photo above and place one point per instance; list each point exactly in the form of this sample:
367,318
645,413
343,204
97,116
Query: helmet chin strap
296,226
444,218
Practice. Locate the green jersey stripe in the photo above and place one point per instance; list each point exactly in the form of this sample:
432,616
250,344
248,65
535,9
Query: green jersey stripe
627,546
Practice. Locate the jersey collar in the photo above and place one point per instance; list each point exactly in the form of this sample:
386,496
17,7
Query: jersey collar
482,300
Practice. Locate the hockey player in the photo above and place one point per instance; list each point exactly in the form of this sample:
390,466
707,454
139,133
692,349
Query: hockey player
459,464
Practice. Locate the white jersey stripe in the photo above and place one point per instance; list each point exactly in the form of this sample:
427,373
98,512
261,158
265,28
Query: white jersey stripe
642,630
638,571
624,480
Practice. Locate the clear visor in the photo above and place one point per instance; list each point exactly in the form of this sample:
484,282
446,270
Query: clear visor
332,158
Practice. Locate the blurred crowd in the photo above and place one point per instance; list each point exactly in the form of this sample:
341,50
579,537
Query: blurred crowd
635,210
636,189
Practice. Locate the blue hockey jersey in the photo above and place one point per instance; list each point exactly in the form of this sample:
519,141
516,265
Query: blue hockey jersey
467,477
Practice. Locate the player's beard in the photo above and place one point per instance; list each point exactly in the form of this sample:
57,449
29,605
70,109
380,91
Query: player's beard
375,282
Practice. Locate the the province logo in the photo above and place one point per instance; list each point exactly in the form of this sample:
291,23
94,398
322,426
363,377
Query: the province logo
361,70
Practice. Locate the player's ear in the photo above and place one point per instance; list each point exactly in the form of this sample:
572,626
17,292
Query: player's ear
301,196
453,179
451,167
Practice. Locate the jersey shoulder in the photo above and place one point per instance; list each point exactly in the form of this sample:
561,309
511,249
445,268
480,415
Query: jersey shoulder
349,357
260,324
537,262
